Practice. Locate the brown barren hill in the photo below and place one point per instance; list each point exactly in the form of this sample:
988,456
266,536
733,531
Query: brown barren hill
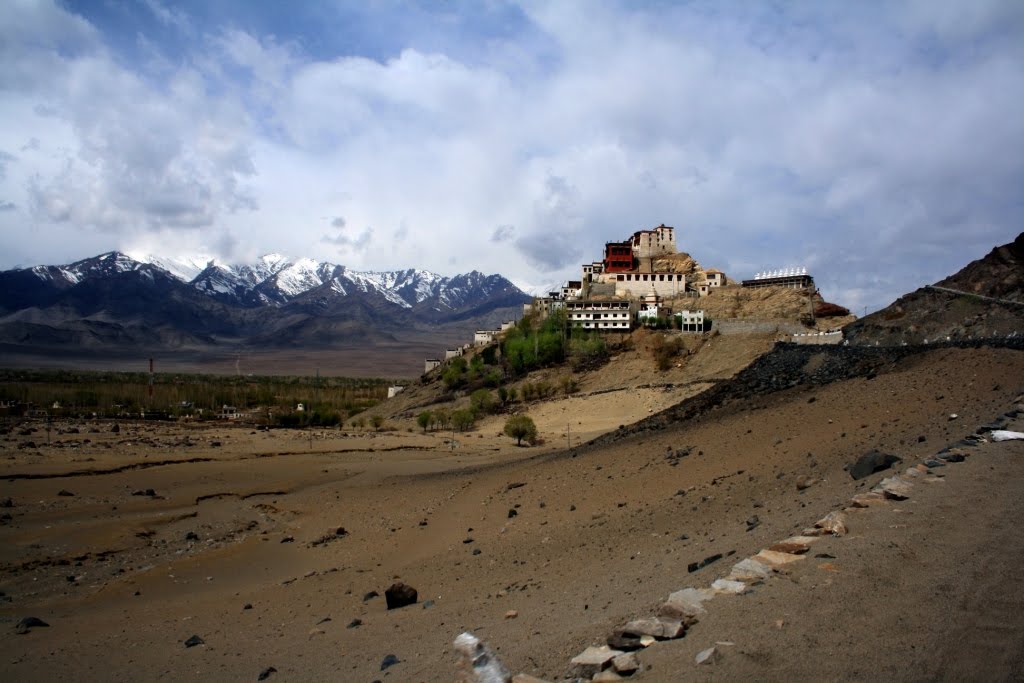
984,299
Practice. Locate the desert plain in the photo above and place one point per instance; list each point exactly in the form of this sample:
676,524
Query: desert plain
275,547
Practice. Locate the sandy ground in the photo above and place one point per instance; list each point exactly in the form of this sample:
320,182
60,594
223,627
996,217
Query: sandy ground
575,541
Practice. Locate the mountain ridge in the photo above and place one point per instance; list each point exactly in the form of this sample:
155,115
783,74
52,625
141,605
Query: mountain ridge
276,302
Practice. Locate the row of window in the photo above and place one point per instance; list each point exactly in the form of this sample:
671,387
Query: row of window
654,277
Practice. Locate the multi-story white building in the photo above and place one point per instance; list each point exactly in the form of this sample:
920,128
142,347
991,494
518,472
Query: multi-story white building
691,321
484,337
636,285
604,316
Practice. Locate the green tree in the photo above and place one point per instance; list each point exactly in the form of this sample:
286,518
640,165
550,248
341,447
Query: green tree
442,417
463,419
377,421
521,427
481,402
424,419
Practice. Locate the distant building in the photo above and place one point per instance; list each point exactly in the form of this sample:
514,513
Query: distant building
604,316
691,321
454,353
636,285
395,390
714,277
430,364
573,289
232,413
484,337
793,278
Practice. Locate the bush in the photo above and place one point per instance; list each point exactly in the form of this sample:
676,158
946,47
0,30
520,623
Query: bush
569,384
521,427
442,418
424,420
377,421
664,350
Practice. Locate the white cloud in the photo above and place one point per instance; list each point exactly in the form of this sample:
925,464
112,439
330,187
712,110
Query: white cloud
876,145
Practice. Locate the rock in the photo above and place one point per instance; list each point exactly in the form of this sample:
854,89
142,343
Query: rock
753,522
626,663
686,604
7,503
512,513
833,523
871,462
729,587
794,545
662,628
477,662
607,675
804,482
193,641
511,614
866,500
64,492
776,560
708,656
750,570
389,661
191,536
355,623
625,641
593,660
265,674
116,428
370,596
1006,435
28,623
694,566
895,488
400,595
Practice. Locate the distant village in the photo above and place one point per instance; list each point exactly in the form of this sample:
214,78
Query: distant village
641,281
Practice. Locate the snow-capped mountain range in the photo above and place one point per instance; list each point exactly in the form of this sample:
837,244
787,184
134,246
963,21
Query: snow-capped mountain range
275,280
275,300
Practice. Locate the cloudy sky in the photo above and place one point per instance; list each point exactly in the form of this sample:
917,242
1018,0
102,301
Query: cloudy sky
881,145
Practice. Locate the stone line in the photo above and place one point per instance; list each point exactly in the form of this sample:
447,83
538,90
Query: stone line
617,659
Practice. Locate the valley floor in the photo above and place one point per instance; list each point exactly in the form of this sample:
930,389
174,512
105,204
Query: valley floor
239,542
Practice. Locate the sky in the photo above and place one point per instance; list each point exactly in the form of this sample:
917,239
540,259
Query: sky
878,144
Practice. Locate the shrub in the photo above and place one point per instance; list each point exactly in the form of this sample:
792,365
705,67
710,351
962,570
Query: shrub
424,419
377,421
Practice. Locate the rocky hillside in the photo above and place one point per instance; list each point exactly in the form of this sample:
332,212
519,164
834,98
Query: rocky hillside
983,300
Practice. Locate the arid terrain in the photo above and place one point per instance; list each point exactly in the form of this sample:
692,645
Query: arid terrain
269,545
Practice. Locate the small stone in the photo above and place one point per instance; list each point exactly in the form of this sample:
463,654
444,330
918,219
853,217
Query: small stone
64,492
794,545
594,660
804,482
708,656
355,623
626,663
662,628
512,513
265,674
686,604
370,596
247,605
776,559
389,661
868,499
728,587
750,570
28,623
400,595
511,614
895,488
833,523
871,462
193,641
